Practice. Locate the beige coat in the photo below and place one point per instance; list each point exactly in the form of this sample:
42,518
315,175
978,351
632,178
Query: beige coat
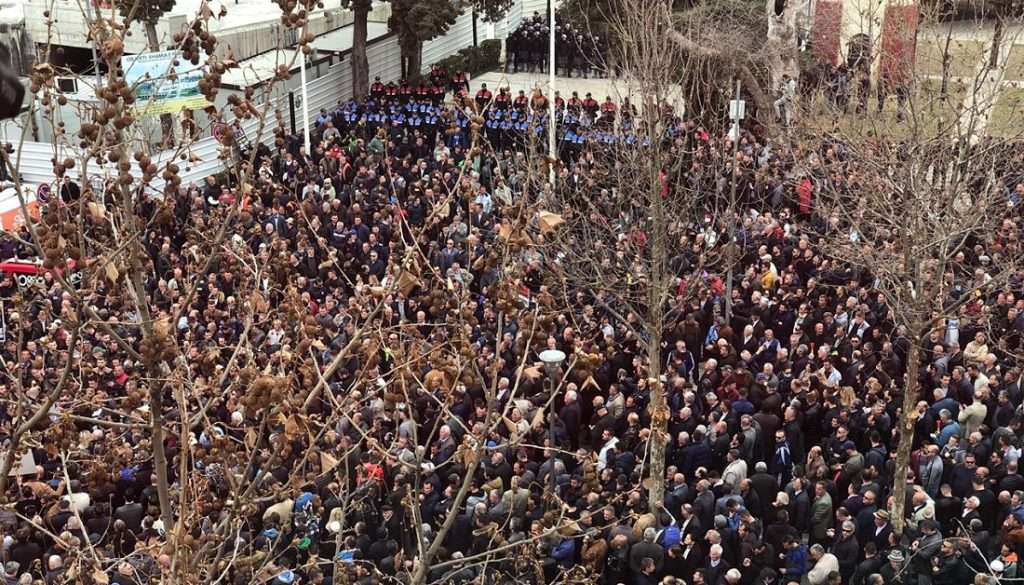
825,565
972,417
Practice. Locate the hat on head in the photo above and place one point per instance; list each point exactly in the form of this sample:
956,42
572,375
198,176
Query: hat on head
896,555
848,525
849,445
882,514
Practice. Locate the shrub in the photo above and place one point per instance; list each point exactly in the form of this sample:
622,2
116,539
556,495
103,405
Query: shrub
474,60
491,50
453,63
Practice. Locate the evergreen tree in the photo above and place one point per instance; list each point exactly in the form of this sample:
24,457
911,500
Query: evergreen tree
418,21
360,65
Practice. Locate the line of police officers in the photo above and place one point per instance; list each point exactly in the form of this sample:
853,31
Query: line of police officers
511,120
576,51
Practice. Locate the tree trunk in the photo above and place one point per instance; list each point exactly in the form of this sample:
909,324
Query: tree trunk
781,48
156,390
163,484
659,424
733,63
947,58
658,407
731,247
907,421
476,42
997,39
157,373
360,66
415,61
166,120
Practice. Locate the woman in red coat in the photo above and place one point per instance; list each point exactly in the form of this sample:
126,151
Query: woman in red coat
804,191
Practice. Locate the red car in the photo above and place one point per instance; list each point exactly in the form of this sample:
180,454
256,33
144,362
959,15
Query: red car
28,272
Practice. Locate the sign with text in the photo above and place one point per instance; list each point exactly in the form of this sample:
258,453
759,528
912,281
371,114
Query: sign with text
163,82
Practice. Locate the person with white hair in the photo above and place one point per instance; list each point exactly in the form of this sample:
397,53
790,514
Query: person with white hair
825,563
715,567
971,510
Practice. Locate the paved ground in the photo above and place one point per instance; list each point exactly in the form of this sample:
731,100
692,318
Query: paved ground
985,86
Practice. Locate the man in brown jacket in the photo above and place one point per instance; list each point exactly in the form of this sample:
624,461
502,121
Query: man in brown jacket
595,549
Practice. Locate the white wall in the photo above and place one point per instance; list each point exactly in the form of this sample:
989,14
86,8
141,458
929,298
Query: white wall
70,28
541,6
246,40
325,92
459,36
513,17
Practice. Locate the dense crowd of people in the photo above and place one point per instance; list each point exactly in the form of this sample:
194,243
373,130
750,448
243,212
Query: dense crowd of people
783,418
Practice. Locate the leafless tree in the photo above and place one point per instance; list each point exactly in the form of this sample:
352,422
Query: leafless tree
173,377
629,243
922,211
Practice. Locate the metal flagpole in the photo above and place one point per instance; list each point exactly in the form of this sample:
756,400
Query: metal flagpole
551,94
305,105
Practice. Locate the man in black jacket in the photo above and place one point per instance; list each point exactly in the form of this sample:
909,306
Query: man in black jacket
800,505
647,549
765,484
715,567
704,504
695,455
646,574
871,564
571,417
131,512
846,549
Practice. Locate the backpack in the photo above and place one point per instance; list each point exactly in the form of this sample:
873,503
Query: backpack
670,536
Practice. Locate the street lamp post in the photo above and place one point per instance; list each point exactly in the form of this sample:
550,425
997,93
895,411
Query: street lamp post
551,98
552,359
305,104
